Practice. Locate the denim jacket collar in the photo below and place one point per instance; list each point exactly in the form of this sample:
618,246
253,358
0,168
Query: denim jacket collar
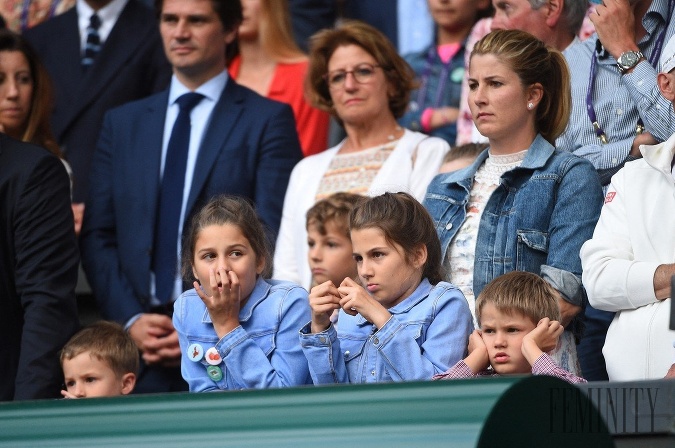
419,294
537,155
259,293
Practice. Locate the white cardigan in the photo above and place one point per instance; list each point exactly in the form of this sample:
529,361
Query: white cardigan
635,234
410,167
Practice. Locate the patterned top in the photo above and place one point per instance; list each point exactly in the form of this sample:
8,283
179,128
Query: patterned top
354,172
544,365
460,257
23,14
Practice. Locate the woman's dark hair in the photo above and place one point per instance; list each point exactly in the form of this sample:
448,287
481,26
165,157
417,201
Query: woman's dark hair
404,221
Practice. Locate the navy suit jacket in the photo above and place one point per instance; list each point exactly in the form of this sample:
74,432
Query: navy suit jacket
130,66
38,270
249,149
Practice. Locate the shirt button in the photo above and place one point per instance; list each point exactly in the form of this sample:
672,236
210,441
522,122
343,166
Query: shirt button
449,226
619,111
376,341
640,82
658,106
615,160
322,339
372,372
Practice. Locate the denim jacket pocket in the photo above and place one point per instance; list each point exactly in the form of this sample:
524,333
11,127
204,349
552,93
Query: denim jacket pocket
351,348
532,251
206,343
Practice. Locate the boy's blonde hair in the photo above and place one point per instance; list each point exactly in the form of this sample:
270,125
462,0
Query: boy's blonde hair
108,342
524,292
334,209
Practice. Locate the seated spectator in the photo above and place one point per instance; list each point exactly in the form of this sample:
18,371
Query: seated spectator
522,205
100,360
400,322
236,329
519,317
356,75
461,156
271,64
629,262
330,248
18,16
439,69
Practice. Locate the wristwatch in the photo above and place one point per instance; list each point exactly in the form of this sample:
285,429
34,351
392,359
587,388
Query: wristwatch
628,60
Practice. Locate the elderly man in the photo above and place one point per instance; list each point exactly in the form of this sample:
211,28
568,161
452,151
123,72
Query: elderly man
629,262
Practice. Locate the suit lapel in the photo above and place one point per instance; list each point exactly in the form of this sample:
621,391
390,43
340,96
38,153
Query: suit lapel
70,70
225,114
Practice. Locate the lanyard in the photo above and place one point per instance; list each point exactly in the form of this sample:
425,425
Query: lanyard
26,7
599,132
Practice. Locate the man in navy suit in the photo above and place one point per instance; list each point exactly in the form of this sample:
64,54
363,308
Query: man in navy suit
38,270
130,65
240,143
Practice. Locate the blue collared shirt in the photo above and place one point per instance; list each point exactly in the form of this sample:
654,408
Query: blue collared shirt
619,100
427,333
262,352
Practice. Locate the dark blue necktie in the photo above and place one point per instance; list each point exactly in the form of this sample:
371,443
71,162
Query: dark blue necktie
164,259
93,45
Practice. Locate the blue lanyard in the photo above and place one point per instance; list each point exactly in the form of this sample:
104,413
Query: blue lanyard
26,8
599,132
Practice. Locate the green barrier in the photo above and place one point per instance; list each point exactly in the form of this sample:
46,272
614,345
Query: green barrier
419,414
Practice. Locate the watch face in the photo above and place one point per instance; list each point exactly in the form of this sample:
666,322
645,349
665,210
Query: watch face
628,59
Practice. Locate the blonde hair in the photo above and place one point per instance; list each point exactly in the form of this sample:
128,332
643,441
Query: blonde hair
108,342
523,292
276,32
534,63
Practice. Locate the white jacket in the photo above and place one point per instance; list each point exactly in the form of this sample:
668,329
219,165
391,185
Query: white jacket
635,234
410,167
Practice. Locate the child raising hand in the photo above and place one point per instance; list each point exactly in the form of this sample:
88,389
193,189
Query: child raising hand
401,323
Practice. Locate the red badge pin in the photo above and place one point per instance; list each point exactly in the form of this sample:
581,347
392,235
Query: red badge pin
610,197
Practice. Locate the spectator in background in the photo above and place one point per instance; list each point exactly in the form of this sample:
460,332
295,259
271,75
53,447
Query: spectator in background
270,64
129,65
439,69
18,15
629,262
356,75
38,270
461,156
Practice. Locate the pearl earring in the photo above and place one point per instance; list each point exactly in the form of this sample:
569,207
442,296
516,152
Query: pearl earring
530,105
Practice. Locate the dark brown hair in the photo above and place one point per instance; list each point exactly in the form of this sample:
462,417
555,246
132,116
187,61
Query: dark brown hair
225,209
323,44
404,221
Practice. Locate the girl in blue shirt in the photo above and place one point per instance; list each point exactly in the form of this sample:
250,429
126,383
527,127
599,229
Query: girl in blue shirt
236,330
401,323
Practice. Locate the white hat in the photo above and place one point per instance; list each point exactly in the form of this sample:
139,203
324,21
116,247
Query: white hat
667,59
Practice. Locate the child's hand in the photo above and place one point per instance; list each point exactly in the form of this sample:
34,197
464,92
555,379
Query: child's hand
543,338
323,300
67,394
356,300
478,358
224,304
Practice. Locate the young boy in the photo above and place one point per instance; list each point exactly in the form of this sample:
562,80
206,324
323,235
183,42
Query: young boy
461,156
519,318
330,247
100,360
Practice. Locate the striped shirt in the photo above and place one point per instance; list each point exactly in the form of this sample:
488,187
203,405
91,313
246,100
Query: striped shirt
618,100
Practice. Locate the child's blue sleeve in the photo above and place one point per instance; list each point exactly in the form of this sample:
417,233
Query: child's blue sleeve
322,350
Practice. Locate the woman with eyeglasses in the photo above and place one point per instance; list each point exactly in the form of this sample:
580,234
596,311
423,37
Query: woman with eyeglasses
357,76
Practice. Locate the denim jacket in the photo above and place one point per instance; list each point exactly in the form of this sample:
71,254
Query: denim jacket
262,352
536,220
427,333
431,93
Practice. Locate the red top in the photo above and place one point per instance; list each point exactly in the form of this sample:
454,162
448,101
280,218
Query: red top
287,87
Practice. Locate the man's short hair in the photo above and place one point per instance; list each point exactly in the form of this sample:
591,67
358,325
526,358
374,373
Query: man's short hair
229,12
574,12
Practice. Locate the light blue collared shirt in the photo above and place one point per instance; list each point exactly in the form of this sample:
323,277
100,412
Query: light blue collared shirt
415,26
108,15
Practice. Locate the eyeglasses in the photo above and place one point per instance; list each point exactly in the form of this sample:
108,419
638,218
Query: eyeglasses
362,73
